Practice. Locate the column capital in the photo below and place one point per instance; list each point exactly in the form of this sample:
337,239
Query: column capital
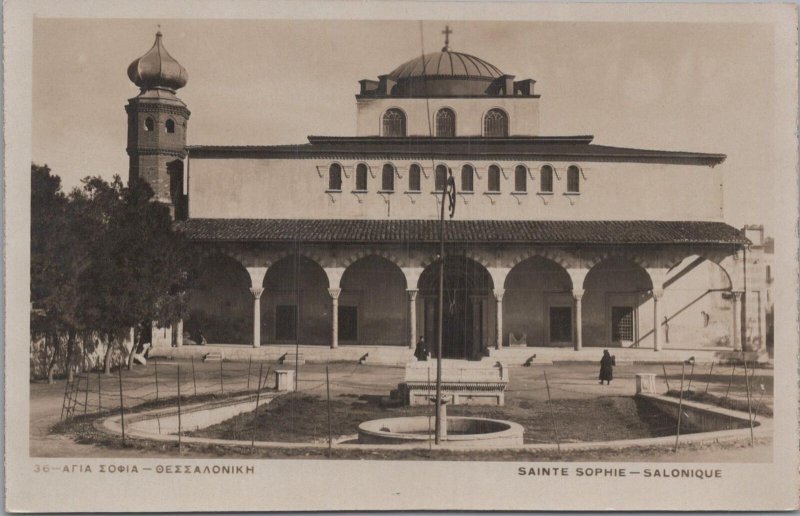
412,294
577,293
334,292
498,293
257,291
658,293
737,294
257,275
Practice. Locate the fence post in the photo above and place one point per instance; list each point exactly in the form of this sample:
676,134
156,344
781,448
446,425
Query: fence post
221,383
180,442
552,415
64,402
194,379
680,409
749,409
249,364
711,370
121,405
255,412
155,362
666,379
430,415
730,382
86,396
691,377
330,436
99,393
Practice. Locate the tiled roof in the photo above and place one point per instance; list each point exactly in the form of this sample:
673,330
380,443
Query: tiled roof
462,231
515,147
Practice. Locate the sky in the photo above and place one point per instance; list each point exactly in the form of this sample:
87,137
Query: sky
670,86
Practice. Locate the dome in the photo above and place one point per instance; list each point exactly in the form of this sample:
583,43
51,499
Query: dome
156,69
446,64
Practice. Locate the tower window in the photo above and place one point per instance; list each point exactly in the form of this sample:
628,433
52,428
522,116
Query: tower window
467,174
414,178
387,178
335,177
149,125
546,179
361,177
494,178
440,179
520,179
573,179
169,126
445,123
495,124
394,123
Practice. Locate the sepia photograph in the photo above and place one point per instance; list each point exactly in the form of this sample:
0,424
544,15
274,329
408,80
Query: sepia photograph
536,249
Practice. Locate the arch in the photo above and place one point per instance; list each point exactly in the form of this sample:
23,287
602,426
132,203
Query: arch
495,123
149,125
364,253
387,177
546,174
169,126
440,177
520,178
361,177
335,177
414,178
573,179
393,123
493,178
467,178
445,123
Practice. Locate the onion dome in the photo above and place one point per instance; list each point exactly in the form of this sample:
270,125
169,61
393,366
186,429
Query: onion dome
157,69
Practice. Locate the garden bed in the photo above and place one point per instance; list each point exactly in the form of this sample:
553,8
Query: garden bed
757,405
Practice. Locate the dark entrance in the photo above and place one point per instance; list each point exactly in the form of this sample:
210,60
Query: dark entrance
560,324
622,324
466,287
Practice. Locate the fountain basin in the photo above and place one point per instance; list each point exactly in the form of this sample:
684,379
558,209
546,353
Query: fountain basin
462,432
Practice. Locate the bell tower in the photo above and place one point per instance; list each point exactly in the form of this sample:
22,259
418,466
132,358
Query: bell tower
157,123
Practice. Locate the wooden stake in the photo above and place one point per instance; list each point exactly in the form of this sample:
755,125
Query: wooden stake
255,412
86,396
121,405
330,435
730,382
155,362
749,408
180,442
99,392
680,409
711,370
666,379
194,379
552,415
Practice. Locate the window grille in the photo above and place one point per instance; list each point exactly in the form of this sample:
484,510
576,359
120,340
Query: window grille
394,123
495,124
445,123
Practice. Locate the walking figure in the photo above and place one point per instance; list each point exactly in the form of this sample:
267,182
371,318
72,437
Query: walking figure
607,364
421,352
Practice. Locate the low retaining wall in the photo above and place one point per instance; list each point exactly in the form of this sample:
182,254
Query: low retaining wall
416,429
700,417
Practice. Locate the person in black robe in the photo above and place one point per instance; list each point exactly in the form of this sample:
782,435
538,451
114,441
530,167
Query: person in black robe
421,351
606,368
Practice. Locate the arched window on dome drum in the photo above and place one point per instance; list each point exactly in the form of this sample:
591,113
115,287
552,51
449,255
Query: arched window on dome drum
387,178
495,124
149,125
494,178
169,125
335,177
414,173
573,179
361,177
394,123
546,179
445,123
520,179
467,174
440,178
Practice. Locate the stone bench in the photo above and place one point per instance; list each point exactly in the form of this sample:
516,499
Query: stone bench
463,383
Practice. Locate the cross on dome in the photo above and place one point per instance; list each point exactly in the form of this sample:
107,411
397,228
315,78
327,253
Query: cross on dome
446,32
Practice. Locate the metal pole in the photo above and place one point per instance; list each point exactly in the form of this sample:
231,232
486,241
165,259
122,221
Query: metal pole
194,379
441,314
86,396
155,362
255,412
730,382
330,436
221,382
680,409
249,365
428,395
552,415
711,370
749,409
666,379
121,405
691,377
99,393
180,443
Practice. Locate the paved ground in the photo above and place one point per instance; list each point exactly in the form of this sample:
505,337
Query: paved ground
567,381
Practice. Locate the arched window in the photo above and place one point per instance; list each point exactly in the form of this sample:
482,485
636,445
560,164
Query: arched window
445,123
573,179
494,178
467,173
520,179
546,179
495,124
414,173
361,177
394,123
149,125
335,177
387,178
169,125
440,179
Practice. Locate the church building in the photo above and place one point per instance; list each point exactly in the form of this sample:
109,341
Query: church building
558,246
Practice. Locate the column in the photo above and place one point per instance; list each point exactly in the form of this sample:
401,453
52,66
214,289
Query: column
334,292
412,318
256,316
657,340
737,321
577,294
498,295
